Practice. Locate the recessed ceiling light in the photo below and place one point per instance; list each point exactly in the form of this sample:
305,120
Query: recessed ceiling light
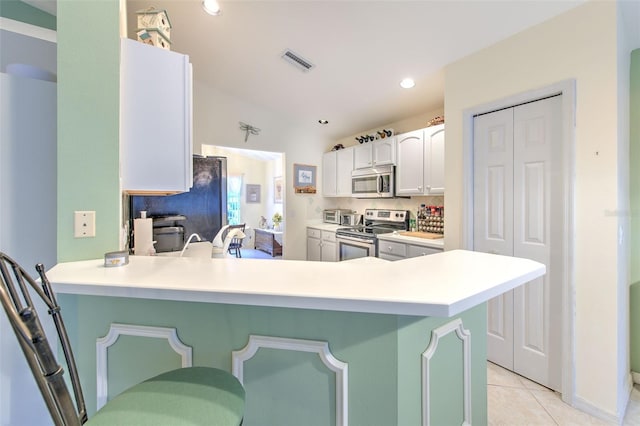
407,83
323,121
212,7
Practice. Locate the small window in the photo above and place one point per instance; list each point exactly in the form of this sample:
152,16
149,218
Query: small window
234,188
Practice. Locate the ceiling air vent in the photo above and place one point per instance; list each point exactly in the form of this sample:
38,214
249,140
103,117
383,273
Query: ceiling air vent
296,60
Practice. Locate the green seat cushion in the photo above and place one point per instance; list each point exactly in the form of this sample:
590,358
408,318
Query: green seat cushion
187,396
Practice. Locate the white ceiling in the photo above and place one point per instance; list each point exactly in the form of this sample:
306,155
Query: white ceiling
361,50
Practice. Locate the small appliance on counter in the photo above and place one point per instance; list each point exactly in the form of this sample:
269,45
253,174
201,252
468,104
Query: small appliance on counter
351,219
335,215
168,233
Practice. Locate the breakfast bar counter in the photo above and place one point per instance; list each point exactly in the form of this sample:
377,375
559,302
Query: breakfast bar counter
366,342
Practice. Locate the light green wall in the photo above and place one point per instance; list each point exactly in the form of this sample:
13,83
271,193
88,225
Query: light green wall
88,124
20,11
635,210
383,353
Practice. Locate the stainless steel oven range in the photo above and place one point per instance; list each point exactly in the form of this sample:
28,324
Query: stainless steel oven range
361,241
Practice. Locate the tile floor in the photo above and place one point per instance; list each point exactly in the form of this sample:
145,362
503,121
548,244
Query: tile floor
515,400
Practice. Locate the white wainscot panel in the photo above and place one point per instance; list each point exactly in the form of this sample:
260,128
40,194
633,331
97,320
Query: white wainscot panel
320,347
115,331
437,334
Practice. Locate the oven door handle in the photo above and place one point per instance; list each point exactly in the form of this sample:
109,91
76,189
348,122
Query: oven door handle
355,239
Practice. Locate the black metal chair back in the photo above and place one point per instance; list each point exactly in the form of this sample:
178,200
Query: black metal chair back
16,288
236,243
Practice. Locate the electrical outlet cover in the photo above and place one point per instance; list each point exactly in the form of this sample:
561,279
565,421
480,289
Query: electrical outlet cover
84,224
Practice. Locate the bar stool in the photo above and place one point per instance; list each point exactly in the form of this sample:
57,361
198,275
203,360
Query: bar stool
186,396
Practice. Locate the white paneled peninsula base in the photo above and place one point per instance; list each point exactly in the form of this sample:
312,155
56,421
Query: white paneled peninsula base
365,342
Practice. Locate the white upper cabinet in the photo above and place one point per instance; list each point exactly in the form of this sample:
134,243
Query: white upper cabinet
420,169
410,170
155,119
336,173
434,160
329,173
377,153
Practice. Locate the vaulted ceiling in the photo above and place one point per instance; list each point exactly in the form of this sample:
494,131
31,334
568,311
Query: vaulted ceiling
360,50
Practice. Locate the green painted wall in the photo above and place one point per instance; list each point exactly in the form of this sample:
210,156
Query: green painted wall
20,11
635,210
383,353
88,124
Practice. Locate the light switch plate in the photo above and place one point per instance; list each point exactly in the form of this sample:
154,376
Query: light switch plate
84,224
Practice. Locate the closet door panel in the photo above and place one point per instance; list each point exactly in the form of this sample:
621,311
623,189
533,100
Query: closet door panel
536,139
493,219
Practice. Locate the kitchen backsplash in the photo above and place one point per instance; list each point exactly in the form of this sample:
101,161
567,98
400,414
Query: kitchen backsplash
412,204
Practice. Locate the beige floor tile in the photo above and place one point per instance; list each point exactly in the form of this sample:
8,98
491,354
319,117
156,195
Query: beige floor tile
515,407
632,416
562,413
498,376
531,385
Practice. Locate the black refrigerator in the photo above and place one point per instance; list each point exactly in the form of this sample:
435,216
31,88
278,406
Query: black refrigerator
204,206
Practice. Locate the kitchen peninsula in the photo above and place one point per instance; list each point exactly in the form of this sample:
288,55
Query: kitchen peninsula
363,342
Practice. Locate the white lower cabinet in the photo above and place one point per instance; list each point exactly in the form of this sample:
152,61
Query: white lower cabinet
393,250
321,245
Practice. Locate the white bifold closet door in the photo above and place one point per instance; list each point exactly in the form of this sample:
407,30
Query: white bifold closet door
517,197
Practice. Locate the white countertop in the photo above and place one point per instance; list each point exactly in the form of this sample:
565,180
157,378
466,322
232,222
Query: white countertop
426,242
325,226
442,288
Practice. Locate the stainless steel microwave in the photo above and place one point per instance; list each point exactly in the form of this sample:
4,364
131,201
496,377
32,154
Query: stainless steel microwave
376,182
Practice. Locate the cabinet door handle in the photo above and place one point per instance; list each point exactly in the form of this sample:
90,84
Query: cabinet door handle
390,248
419,188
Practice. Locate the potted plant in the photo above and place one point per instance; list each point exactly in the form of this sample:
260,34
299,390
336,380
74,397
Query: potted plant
277,219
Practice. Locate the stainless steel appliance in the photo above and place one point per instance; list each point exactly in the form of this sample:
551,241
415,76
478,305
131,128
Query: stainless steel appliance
351,219
361,241
334,215
377,182
168,233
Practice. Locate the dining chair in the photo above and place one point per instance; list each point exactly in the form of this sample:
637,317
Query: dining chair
185,396
220,246
236,243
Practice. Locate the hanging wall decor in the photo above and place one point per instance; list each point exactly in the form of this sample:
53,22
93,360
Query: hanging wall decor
253,193
304,179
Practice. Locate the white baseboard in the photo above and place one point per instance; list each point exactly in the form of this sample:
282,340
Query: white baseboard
623,401
594,411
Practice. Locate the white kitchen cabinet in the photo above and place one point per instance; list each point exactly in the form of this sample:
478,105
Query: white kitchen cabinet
155,119
314,251
329,173
391,250
377,153
321,245
396,250
420,168
336,173
417,251
329,247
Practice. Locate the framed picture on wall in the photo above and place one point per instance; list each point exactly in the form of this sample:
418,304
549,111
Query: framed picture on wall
278,190
304,179
253,193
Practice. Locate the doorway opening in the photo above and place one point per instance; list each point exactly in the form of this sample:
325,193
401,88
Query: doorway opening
256,195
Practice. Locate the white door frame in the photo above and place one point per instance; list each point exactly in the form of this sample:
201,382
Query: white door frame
568,90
